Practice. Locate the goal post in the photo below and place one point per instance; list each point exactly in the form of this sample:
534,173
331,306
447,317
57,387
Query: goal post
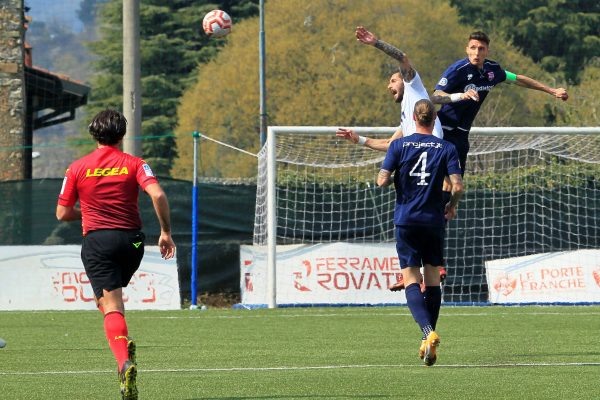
272,133
529,191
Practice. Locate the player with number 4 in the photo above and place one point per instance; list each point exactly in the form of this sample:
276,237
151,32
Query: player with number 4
420,162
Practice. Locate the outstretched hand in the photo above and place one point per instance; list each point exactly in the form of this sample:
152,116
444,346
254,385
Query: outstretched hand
347,134
364,36
561,93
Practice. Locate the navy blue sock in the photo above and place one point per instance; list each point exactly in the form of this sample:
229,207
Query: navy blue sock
418,308
433,300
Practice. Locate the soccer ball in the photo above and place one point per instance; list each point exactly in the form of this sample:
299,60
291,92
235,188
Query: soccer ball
217,23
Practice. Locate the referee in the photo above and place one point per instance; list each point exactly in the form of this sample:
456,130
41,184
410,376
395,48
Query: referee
106,184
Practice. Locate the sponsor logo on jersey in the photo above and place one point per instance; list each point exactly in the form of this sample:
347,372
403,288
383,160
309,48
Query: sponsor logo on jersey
443,82
115,171
419,145
478,88
490,75
148,170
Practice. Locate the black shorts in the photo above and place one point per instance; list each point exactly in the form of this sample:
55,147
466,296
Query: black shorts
420,245
460,140
111,257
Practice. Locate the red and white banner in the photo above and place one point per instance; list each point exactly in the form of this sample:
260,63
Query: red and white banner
562,277
53,278
332,274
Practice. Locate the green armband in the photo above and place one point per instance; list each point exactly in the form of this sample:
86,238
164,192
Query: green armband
510,76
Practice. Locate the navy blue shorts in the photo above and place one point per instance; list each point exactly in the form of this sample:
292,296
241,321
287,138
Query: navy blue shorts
420,245
460,140
111,257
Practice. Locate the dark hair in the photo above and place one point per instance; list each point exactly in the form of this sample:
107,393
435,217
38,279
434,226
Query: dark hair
108,127
481,36
424,112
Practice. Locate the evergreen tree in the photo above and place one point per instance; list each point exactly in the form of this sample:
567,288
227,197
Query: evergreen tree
317,74
87,11
562,35
172,45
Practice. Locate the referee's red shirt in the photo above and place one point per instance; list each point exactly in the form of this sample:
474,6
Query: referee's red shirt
106,184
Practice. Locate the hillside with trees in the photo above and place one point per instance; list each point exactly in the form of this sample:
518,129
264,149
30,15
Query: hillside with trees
318,74
563,36
172,45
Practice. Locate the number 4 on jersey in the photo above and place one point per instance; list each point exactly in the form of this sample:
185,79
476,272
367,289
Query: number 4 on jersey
422,161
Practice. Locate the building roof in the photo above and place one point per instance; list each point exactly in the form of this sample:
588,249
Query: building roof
54,97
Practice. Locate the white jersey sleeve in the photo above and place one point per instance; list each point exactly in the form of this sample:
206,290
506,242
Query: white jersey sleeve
413,92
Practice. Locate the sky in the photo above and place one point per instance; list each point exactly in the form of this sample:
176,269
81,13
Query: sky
55,10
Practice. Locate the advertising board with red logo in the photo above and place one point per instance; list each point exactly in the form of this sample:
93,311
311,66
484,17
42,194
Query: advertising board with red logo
323,274
562,277
53,278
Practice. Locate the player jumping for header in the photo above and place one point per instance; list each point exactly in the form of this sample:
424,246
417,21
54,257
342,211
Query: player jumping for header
407,89
464,86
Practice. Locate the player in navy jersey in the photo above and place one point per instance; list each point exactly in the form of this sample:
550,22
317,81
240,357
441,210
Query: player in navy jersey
106,184
420,162
406,88
464,86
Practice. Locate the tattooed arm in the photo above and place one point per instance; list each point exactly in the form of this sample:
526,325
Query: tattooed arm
384,178
441,97
406,68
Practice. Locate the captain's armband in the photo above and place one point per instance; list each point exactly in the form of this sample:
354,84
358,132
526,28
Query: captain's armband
510,77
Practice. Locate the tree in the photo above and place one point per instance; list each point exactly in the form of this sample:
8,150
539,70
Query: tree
172,46
87,12
585,110
562,35
57,48
317,74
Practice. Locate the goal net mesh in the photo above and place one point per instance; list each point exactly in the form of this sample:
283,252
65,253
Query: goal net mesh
524,194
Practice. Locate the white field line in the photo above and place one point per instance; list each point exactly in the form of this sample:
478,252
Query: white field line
308,368
365,314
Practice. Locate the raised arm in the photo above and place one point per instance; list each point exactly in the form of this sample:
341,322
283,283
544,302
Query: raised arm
529,83
406,68
375,144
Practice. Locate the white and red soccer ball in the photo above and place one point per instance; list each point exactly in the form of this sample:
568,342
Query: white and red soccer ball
217,23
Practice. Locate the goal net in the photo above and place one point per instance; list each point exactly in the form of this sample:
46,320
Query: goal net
527,191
